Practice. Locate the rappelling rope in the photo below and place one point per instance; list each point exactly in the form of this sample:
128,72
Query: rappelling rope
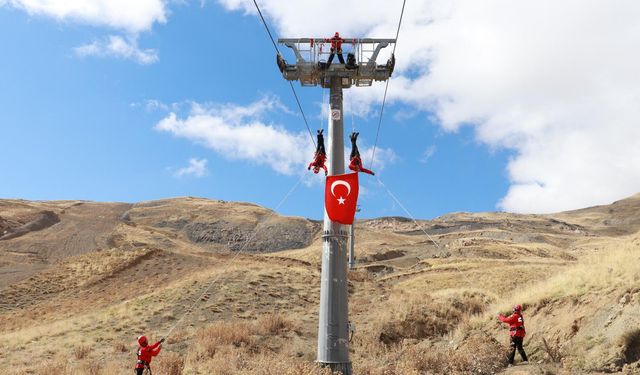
353,126
322,109
295,94
386,87
232,259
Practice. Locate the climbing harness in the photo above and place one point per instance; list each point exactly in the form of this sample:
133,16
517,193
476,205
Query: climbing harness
355,162
320,156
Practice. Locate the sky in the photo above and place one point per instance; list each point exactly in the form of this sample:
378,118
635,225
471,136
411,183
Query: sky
500,105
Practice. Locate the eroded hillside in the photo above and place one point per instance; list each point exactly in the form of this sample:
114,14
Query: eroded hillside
240,285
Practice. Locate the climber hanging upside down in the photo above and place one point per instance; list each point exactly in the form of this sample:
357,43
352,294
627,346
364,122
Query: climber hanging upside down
320,156
356,162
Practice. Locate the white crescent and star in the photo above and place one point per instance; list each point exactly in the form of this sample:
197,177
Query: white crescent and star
337,183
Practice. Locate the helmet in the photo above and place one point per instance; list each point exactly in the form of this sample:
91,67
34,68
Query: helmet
142,340
337,34
517,307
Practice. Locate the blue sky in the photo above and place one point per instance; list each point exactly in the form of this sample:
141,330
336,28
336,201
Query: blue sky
80,121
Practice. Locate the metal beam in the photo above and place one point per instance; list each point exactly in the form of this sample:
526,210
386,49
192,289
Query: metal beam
346,40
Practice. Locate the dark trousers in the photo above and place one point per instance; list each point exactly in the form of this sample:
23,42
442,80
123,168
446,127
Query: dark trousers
139,371
516,343
340,57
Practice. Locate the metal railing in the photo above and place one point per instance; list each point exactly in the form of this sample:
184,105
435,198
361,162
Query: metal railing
312,50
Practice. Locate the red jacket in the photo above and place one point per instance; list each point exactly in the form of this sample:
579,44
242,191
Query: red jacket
146,353
336,43
516,324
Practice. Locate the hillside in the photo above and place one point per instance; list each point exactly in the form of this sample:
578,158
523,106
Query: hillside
80,280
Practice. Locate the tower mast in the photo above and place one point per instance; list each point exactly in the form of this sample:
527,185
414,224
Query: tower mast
333,325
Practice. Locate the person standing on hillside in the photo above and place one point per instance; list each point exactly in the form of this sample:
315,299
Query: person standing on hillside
516,332
146,352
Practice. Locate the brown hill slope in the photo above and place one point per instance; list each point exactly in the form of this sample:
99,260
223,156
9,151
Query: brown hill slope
80,280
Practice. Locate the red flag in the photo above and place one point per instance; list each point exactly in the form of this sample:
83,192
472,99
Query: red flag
341,197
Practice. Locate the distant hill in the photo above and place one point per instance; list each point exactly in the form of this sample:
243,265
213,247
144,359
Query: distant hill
80,280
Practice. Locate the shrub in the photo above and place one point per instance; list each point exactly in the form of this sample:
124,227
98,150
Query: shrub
553,348
630,342
418,320
273,324
170,363
218,334
483,354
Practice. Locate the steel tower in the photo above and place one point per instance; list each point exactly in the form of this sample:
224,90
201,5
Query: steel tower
361,69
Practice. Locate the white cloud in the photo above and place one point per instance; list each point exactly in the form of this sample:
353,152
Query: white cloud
556,82
428,153
238,132
154,105
131,16
382,158
196,168
117,46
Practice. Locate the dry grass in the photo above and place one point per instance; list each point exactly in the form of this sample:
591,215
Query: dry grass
247,348
241,361
553,349
239,334
492,277
414,321
615,267
54,368
81,351
273,324
170,363
120,347
208,340
422,316
177,336
65,367
479,354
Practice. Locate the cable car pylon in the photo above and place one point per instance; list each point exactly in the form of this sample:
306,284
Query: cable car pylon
361,69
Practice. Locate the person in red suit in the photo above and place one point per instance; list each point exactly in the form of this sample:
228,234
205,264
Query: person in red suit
336,47
320,156
516,332
355,163
146,352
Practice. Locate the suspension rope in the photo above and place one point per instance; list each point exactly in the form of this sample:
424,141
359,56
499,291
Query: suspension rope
386,87
438,247
303,116
407,212
295,94
228,263
266,27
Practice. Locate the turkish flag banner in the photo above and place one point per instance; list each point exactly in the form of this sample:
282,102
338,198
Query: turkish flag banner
341,197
